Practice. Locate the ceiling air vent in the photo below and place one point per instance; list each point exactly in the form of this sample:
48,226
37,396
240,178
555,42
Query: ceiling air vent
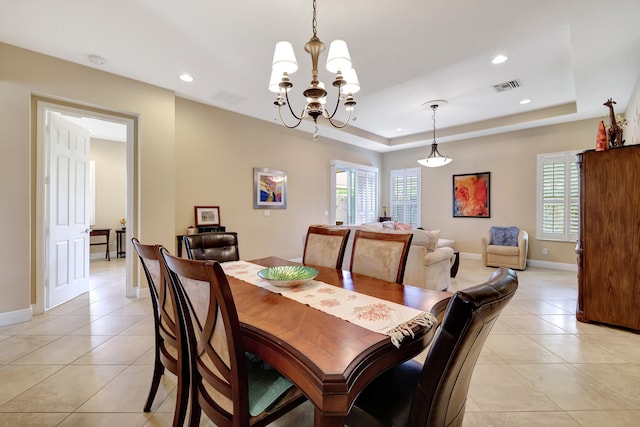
503,87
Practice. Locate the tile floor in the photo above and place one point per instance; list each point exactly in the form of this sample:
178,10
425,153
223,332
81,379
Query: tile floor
88,362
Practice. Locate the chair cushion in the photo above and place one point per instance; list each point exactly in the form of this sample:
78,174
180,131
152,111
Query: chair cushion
404,227
266,385
372,226
428,239
504,236
387,400
503,250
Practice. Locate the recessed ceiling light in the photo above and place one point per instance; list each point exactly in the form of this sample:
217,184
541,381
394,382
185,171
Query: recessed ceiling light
499,59
525,101
186,78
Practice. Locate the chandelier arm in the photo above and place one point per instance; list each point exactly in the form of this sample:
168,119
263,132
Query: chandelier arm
284,122
346,122
335,110
299,118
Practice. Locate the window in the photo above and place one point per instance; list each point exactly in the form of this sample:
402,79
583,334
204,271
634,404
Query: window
405,196
355,196
558,197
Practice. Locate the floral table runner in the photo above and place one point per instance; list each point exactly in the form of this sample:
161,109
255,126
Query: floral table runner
372,313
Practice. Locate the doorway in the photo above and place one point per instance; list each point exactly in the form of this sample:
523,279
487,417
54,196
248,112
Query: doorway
92,118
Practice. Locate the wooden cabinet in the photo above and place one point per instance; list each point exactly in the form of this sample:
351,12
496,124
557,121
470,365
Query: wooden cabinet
608,247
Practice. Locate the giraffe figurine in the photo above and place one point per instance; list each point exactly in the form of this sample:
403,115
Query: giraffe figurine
615,131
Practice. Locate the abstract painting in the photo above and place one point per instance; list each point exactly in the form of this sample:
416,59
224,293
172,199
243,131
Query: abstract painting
471,195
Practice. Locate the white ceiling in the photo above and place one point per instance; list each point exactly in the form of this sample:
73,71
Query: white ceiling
569,55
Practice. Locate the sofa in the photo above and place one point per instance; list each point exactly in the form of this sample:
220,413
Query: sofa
429,261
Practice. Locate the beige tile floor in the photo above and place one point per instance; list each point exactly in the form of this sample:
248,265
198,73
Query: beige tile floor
89,361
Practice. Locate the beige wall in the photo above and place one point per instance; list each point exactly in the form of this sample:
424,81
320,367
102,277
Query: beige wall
110,158
511,159
14,197
26,73
216,152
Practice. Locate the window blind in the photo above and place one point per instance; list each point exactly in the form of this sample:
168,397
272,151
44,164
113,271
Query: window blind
558,196
405,196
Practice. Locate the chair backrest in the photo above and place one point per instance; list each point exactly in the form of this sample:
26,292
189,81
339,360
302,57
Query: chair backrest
441,394
164,314
325,246
380,255
214,246
211,330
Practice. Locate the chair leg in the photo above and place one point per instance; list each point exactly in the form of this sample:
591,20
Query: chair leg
182,401
195,408
158,370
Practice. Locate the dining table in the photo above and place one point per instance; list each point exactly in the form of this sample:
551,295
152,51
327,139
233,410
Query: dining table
329,359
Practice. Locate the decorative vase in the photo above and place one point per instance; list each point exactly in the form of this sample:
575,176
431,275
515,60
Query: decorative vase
602,142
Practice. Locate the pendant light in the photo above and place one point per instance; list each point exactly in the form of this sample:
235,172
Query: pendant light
434,159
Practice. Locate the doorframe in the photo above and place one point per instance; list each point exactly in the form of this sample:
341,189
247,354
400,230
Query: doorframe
40,105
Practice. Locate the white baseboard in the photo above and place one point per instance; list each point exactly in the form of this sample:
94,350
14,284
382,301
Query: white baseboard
143,292
18,316
531,262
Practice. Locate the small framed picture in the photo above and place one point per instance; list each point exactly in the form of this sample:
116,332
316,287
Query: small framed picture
207,215
471,195
269,189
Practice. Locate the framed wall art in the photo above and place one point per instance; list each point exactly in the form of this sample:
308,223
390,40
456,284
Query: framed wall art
269,189
471,195
207,215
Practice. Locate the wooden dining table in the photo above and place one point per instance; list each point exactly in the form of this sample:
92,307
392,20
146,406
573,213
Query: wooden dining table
329,359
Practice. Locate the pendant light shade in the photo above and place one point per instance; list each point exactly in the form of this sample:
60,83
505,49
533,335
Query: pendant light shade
435,159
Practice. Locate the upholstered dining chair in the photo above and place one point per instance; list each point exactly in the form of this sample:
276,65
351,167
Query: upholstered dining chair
380,255
213,246
165,325
325,246
231,387
435,394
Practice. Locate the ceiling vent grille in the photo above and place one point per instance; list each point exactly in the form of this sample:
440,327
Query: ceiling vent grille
503,87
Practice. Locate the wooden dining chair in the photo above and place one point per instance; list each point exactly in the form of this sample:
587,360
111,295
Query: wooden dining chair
232,387
380,255
435,394
165,326
325,246
213,246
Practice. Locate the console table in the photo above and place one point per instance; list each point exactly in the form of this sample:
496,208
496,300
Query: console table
98,232
120,246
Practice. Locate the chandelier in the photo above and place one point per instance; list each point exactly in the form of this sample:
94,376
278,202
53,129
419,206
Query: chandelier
434,159
338,62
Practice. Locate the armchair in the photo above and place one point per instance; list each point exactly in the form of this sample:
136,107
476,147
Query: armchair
505,247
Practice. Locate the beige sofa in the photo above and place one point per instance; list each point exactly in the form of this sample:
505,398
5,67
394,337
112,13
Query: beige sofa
429,261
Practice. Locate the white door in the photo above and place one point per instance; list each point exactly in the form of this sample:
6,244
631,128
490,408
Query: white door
68,210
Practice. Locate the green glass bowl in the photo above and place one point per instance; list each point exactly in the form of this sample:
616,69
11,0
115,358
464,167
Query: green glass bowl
288,276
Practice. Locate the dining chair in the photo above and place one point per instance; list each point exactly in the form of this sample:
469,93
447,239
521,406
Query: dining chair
325,246
380,255
165,326
232,387
213,246
435,394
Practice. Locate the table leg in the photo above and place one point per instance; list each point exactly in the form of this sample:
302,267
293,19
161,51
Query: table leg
456,264
327,421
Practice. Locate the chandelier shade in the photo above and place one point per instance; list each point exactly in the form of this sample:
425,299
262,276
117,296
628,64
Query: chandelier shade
338,62
434,159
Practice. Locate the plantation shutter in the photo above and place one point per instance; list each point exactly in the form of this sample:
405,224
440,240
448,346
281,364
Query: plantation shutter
405,196
366,196
558,196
